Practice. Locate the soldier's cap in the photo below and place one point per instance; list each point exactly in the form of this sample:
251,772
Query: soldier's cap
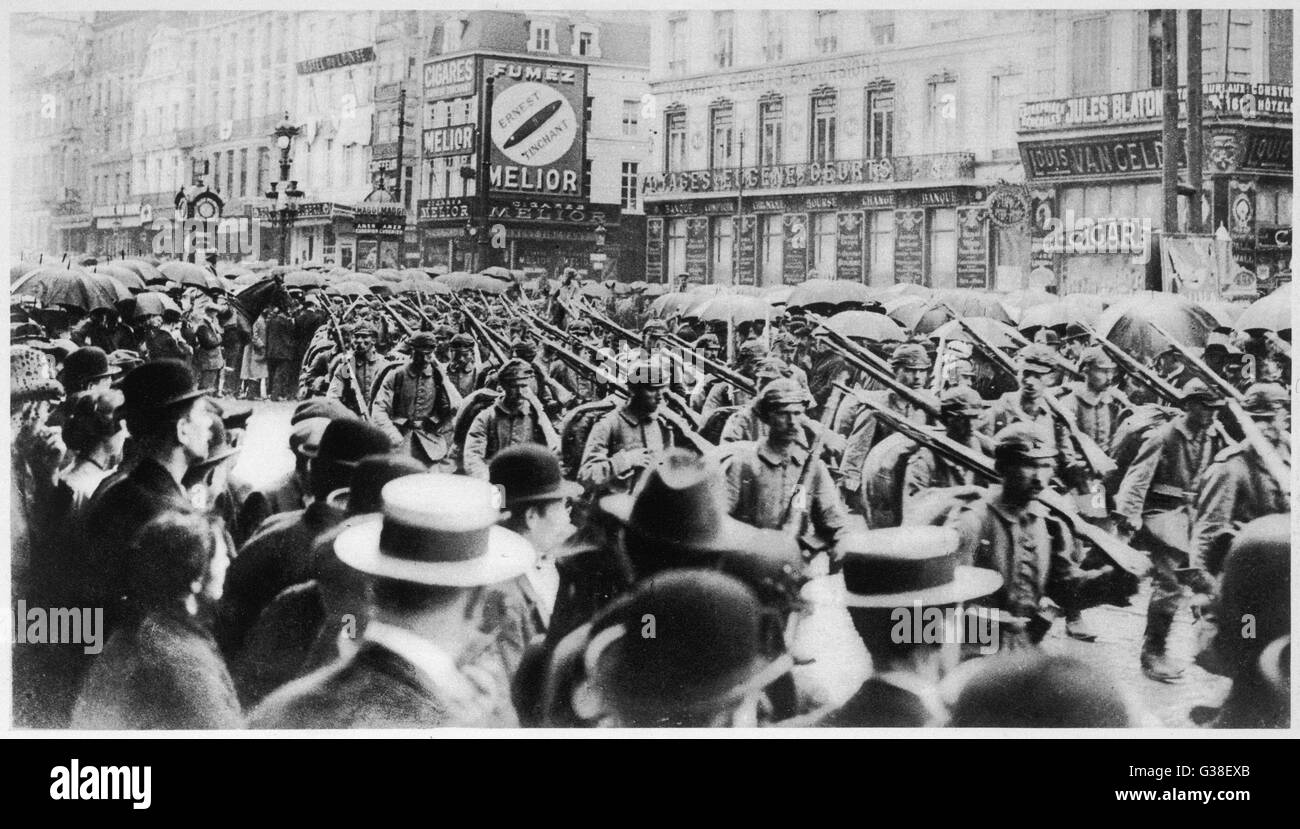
524,348
780,393
902,566
707,653
800,329
1265,399
961,400
444,331
655,326
1075,331
1096,357
1022,441
707,341
752,351
1197,390
1037,358
462,341
771,367
514,369
1047,336
364,328
910,355
423,340
651,373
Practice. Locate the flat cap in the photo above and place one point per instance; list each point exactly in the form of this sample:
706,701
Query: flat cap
1022,441
648,373
515,369
1096,357
423,340
782,392
1197,390
961,400
1265,399
910,355
1038,358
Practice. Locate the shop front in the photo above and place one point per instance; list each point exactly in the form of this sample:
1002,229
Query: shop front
920,219
320,232
1093,166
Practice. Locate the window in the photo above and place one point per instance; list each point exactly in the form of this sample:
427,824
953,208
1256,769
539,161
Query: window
721,129
676,247
677,46
880,247
824,229
214,172
1239,53
773,35
941,115
675,146
941,225
724,39
1007,93
826,40
230,172
1279,45
1090,56
883,35
720,248
586,43
243,173
263,170
771,120
822,145
880,123
541,37
1155,48
631,118
629,191
771,243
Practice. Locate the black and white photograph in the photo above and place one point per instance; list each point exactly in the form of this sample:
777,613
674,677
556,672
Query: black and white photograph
850,370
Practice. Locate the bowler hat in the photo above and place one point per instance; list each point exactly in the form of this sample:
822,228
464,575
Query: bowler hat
159,385
529,474
707,651
438,530
900,566
1022,441
86,364
910,355
346,441
364,491
1033,689
678,503
31,375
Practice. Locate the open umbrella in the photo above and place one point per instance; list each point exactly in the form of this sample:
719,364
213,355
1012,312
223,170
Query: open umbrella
1227,313
190,274
149,303
486,284
656,289
456,280
735,308
921,317
389,275
247,279
867,325
670,304
348,287
74,288
1059,314
777,294
148,271
967,303
829,292
21,269
595,290
498,272
902,289
1127,324
1270,313
436,270
426,285
1016,303
303,279
997,332
129,278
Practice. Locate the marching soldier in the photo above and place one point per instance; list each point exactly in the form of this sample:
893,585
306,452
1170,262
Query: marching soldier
461,371
1096,406
959,407
720,393
517,417
414,404
1154,508
1026,405
1238,487
630,438
746,423
368,364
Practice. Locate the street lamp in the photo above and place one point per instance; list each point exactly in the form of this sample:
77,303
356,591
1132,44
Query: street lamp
598,255
283,193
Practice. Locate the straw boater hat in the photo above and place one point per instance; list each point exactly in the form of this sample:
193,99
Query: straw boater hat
899,566
437,530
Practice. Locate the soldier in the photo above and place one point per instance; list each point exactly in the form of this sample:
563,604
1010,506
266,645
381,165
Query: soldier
369,365
959,407
1237,487
1169,365
1036,364
721,393
786,347
911,366
1096,406
517,417
628,439
746,424
582,387
1005,529
762,477
1153,505
415,404
442,337
461,371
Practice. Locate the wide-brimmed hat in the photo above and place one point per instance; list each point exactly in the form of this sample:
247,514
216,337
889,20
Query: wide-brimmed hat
158,385
678,502
707,652
529,474
900,566
31,375
437,530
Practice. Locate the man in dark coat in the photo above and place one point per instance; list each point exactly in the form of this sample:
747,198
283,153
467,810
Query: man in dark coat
311,317
281,354
209,361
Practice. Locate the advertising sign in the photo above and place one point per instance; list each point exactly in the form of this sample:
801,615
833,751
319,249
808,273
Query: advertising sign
537,126
794,263
848,245
442,142
697,249
909,246
746,251
972,248
454,78
654,250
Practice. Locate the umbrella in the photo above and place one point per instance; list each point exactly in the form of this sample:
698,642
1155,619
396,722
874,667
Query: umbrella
130,280
1127,323
486,284
147,270
1227,313
735,308
149,303
1271,313
188,273
670,304
435,270
593,289
456,280
1059,314
78,289
303,279
349,287
777,294
966,303
425,285
902,289
21,269
1017,302
996,332
656,289
247,279
498,272
829,292
921,317
867,325
389,275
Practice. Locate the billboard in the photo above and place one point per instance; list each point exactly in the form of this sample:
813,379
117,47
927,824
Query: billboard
537,126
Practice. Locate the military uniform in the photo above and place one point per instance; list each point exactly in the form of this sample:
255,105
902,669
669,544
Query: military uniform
868,432
368,370
498,427
620,431
1237,489
411,407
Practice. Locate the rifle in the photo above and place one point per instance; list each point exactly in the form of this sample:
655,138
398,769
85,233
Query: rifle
1102,465
796,509
363,410
482,332
885,377
1273,463
1119,553
402,324
719,370
604,322
563,395
1282,346
1135,369
423,316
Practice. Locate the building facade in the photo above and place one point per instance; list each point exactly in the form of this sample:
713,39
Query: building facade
565,160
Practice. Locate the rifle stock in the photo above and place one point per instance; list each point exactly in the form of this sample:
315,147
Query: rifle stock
1135,369
921,400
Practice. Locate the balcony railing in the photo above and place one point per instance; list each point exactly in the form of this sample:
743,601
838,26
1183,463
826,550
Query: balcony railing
896,169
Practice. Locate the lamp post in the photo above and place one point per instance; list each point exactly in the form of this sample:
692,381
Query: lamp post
284,192
598,255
